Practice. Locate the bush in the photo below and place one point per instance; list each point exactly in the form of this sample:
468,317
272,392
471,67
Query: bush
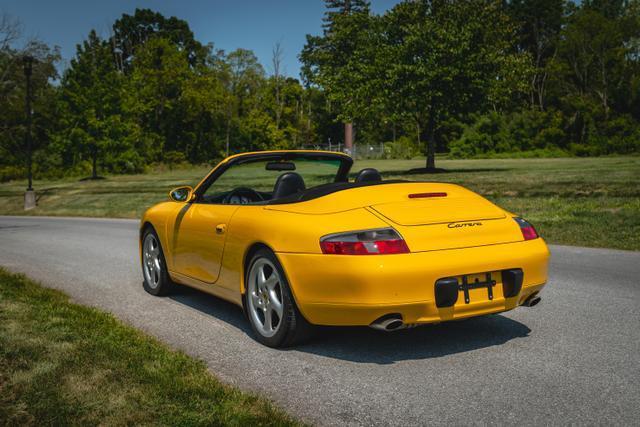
471,144
550,137
82,168
622,136
9,173
582,150
487,134
174,158
544,133
403,148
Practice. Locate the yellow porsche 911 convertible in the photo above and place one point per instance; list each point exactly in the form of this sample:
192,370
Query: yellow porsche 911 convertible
290,238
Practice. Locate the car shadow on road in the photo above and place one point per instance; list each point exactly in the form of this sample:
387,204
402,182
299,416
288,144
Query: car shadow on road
365,345
211,306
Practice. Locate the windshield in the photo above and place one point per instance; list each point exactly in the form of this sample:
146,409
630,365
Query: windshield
255,181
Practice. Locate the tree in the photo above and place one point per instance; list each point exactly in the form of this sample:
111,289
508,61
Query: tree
610,9
90,95
276,62
442,59
340,59
596,64
336,8
206,101
539,24
12,98
10,32
154,96
132,31
245,77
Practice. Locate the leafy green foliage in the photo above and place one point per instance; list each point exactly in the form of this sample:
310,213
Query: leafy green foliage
584,92
469,77
402,148
151,93
12,105
539,23
444,60
132,31
343,60
527,131
91,109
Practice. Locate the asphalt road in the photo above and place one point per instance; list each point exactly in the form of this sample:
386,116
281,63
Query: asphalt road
574,358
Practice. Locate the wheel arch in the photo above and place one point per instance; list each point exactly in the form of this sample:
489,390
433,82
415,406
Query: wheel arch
148,224
143,228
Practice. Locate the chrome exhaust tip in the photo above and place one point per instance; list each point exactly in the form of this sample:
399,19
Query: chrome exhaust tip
389,323
532,301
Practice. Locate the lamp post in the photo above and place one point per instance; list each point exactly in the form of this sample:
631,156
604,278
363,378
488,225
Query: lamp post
30,195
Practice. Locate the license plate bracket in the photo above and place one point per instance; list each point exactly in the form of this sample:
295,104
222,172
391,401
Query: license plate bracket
467,285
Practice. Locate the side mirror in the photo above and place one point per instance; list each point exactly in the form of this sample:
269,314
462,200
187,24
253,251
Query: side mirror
181,194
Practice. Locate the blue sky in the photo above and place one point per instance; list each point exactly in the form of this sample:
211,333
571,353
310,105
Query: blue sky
250,24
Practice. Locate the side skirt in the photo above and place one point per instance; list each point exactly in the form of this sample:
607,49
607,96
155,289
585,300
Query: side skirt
215,290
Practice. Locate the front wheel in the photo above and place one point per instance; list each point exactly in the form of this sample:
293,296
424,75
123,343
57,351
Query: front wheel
154,268
271,309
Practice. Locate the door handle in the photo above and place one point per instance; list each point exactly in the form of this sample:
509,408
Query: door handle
221,228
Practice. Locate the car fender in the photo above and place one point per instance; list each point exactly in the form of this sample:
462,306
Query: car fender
282,232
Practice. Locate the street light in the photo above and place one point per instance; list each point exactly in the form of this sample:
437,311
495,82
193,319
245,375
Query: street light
30,195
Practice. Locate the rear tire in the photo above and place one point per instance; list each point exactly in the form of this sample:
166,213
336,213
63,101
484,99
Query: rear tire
154,268
273,315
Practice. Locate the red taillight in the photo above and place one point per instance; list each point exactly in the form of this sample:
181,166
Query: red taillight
528,231
383,241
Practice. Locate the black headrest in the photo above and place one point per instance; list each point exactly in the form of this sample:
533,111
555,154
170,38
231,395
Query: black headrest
368,175
287,184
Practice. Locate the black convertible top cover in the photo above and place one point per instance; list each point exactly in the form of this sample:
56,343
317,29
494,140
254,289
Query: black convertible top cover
326,189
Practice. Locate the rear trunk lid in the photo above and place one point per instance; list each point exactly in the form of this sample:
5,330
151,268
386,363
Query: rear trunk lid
461,219
438,210
458,219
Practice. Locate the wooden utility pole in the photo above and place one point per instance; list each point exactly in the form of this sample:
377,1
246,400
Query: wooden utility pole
30,194
348,138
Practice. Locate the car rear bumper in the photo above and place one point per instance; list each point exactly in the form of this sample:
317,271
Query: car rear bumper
357,290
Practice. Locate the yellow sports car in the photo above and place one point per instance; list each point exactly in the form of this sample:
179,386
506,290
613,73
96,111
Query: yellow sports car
290,238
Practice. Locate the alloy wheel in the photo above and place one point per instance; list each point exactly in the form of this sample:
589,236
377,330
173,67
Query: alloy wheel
265,297
152,261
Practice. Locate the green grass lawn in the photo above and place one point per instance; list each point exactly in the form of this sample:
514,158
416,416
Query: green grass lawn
576,201
62,363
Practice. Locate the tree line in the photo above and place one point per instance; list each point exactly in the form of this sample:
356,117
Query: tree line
467,77
482,77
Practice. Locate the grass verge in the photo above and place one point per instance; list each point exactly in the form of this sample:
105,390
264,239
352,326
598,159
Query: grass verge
573,201
62,363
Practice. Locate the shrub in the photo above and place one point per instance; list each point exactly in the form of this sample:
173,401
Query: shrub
582,150
487,134
545,133
174,158
403,148
9,173
471,144
622,135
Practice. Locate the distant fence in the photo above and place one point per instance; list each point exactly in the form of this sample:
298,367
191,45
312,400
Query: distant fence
359,151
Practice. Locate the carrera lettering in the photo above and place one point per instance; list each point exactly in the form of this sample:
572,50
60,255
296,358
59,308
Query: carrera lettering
463,224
